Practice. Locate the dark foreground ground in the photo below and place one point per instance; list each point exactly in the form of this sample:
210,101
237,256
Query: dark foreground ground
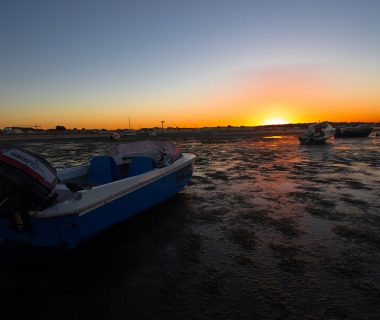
268,229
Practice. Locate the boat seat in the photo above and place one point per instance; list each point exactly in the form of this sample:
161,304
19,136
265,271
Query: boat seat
140,165
102,170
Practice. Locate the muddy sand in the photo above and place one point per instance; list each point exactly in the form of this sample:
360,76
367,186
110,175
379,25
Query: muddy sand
268,229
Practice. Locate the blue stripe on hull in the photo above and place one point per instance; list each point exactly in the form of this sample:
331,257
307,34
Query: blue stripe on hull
68,231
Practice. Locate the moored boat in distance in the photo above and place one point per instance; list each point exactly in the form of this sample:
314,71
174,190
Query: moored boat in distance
317,133
115,136
61,208
124,135
360,131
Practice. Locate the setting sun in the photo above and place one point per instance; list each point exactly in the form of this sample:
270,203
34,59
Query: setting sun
274,121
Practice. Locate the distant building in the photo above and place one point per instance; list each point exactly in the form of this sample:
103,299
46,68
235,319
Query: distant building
18,130
12,130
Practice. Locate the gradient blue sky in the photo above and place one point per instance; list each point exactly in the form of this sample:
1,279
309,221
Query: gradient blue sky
94,63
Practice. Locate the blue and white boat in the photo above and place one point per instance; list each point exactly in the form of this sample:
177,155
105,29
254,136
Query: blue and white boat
61,208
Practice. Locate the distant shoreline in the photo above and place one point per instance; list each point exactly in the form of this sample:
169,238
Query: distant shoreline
213,133
48,136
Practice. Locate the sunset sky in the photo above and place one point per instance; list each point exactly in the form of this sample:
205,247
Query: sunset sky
95,64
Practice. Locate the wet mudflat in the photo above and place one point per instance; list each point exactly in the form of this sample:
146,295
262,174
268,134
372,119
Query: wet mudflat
268,229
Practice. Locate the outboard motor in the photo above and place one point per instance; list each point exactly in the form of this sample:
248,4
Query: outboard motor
26,183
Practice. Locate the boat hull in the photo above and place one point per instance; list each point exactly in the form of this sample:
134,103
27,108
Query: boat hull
70,230
353,132
311,141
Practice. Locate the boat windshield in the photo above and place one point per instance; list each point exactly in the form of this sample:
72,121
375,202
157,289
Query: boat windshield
160,151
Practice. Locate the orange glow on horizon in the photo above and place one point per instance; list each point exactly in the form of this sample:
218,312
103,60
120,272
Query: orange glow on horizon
251,114
266,96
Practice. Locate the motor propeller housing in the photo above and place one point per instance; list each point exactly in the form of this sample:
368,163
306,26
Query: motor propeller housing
27,181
